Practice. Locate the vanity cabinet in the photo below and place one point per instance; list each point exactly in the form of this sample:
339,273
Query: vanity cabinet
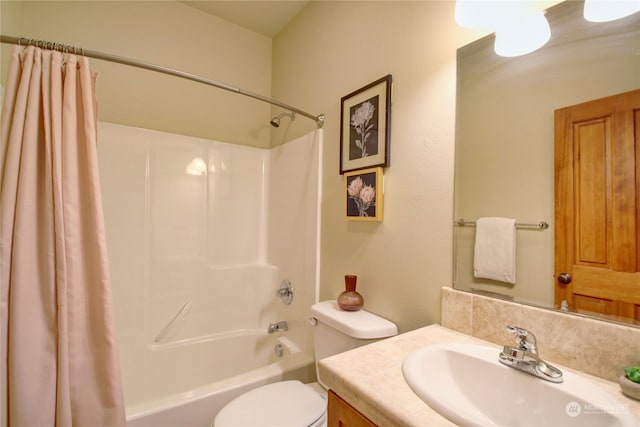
341,414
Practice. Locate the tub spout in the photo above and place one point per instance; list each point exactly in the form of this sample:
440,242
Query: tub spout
278,326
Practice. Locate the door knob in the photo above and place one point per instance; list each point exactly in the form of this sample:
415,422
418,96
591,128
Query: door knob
564,278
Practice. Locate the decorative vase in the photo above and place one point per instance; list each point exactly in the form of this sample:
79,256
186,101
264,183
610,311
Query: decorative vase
350,300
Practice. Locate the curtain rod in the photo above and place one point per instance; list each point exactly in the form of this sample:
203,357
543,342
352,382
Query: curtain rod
319,119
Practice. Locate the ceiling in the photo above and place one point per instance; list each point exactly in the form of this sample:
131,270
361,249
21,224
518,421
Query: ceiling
267,17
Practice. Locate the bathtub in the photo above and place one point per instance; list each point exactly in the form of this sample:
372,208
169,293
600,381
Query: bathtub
208,375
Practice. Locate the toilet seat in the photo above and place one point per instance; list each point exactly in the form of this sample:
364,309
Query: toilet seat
280,404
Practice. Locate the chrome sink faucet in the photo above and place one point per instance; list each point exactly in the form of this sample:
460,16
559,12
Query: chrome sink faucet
525,358
278,326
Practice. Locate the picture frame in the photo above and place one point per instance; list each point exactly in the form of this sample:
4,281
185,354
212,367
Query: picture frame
364,194
365,126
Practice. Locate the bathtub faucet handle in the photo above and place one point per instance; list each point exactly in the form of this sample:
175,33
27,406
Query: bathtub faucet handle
285,292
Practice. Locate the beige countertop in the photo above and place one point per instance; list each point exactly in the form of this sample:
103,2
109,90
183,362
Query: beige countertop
370,379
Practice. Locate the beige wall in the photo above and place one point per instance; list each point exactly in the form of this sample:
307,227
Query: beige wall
331,49
334,48
10,23
170,34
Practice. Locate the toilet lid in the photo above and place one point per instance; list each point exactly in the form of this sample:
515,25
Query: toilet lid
281,404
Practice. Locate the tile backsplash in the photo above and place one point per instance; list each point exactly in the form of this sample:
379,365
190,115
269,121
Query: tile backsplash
593,346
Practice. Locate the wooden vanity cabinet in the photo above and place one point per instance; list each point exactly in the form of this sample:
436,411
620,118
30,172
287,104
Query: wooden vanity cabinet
341,414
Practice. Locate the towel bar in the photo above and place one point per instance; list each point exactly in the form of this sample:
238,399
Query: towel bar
542,225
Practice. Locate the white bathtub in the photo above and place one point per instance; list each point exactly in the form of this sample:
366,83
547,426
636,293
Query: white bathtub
212,373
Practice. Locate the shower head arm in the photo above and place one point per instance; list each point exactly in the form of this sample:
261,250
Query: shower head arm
291,114
275,122
319,119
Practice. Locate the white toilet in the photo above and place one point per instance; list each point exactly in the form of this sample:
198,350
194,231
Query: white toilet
292,403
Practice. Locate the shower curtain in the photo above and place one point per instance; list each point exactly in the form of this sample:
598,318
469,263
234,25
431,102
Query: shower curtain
59,361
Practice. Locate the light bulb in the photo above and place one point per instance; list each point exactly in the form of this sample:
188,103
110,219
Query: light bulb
523,35
609,10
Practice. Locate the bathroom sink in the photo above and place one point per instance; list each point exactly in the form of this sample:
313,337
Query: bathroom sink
466,384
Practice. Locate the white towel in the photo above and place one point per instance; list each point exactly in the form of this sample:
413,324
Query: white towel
494,254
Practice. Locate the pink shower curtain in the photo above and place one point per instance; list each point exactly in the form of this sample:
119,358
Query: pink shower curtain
59,360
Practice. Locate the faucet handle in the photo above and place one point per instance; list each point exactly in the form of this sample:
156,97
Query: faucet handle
526,339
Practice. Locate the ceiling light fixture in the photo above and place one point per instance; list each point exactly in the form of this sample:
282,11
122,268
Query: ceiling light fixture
520,26
609,10
522,35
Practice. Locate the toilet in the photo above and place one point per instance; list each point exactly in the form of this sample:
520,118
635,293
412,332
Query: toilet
292,403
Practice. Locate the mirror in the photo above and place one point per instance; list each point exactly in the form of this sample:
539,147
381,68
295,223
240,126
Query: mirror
504,160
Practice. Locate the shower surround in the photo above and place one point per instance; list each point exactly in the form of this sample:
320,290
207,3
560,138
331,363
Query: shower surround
200,234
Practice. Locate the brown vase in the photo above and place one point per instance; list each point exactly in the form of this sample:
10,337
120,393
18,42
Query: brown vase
350,300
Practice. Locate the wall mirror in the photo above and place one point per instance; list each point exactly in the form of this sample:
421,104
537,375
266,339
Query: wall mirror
504,157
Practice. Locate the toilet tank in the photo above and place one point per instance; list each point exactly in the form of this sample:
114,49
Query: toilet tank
338,330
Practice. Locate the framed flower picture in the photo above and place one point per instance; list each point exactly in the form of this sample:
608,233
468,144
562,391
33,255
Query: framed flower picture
363,200
365,120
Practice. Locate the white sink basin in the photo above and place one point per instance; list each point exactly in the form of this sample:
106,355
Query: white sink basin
466,384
